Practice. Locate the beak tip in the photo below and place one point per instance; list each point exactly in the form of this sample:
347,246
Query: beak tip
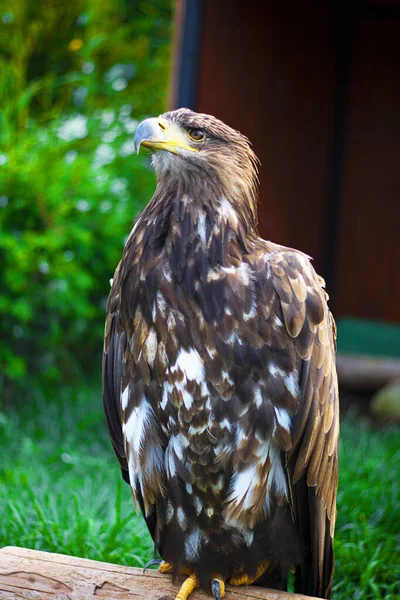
144,132
136,144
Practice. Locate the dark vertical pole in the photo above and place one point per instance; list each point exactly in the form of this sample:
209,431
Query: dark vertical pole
346,31
189,55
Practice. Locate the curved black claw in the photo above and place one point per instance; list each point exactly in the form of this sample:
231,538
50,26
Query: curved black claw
153,561
216,589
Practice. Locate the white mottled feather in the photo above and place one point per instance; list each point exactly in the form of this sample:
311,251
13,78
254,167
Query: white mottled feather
134,429
125,397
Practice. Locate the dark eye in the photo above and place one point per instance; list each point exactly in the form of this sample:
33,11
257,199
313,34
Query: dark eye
197,135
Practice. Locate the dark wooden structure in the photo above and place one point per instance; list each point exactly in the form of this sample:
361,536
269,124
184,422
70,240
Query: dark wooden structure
316,87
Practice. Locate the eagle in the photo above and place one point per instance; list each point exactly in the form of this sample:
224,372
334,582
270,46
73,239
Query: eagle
219,379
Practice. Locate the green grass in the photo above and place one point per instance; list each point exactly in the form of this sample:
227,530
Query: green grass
368,525
61,491
61,487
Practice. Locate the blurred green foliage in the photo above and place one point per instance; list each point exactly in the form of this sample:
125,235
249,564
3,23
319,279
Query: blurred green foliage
75,77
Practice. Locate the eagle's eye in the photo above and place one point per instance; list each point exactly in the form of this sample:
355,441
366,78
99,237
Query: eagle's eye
196,134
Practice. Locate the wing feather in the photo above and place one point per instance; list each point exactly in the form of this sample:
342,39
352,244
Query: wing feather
115,343
312,461
114,347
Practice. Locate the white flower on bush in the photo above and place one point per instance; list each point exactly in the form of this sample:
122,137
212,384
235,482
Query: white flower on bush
73,128
107,117
119,84
3,159
66,458
124,113
130,125
101,178
44,267
124,71
127,148
103,156
70,156
109,136
87,68
105,206
83,205
118,186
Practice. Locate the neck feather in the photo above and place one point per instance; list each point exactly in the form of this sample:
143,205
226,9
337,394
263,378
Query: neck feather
192,223
185,232
195,191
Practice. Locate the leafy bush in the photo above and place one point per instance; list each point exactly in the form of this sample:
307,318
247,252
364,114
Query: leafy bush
79,77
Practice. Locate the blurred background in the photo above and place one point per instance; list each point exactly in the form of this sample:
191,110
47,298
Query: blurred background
75,78
316,88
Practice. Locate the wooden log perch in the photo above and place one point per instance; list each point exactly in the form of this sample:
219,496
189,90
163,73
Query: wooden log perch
366,373
46,576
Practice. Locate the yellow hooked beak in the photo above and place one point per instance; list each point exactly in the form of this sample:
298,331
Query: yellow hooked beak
159,134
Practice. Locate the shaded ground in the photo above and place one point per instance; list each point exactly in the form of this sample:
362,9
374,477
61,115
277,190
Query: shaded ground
60,490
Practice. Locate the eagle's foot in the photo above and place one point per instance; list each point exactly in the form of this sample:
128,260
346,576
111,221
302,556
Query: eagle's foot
218,588
244,579
187,587
165,567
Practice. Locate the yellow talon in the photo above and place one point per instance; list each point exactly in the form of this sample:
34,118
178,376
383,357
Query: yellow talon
165,567
244,579
187,587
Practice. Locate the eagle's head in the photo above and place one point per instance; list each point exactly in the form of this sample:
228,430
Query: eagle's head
199,147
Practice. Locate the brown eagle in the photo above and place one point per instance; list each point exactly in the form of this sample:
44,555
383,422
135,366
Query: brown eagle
219,378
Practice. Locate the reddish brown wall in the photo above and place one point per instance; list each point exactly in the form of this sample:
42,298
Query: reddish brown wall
270,73
368,271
